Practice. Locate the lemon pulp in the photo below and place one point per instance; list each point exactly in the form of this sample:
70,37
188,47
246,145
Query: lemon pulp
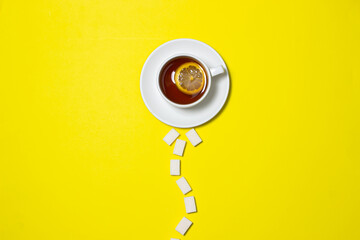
190,78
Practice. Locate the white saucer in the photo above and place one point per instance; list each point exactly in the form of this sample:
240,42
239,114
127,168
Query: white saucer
184,117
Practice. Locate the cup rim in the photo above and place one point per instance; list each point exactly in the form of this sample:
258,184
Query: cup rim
208,73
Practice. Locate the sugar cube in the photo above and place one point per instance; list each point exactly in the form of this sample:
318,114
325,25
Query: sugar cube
183,226
179,147
174,239
193,137
171,136
190,205
175,167
183,185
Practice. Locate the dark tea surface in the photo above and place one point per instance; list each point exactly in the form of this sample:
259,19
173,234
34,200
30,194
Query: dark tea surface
168,85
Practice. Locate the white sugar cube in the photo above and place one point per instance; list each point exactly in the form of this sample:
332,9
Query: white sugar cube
179,147
193,137
183,226
174,239
175,167
171,136
190,204
183,185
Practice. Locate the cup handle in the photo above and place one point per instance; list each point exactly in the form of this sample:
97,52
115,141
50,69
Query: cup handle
216,71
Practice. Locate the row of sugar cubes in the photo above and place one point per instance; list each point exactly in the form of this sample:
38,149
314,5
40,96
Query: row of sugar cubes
184,186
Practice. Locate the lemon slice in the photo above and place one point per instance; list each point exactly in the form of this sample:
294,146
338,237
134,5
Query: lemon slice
190,78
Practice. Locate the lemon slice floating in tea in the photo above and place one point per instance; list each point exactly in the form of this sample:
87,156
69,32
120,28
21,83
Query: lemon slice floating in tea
190,78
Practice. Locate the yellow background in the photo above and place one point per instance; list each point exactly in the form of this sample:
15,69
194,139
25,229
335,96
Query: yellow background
81,157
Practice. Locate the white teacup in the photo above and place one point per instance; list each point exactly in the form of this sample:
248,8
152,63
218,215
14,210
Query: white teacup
210,72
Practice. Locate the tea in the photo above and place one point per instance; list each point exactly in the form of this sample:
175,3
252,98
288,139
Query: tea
170,87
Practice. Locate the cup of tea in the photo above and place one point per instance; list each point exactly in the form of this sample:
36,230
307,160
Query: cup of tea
184,80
